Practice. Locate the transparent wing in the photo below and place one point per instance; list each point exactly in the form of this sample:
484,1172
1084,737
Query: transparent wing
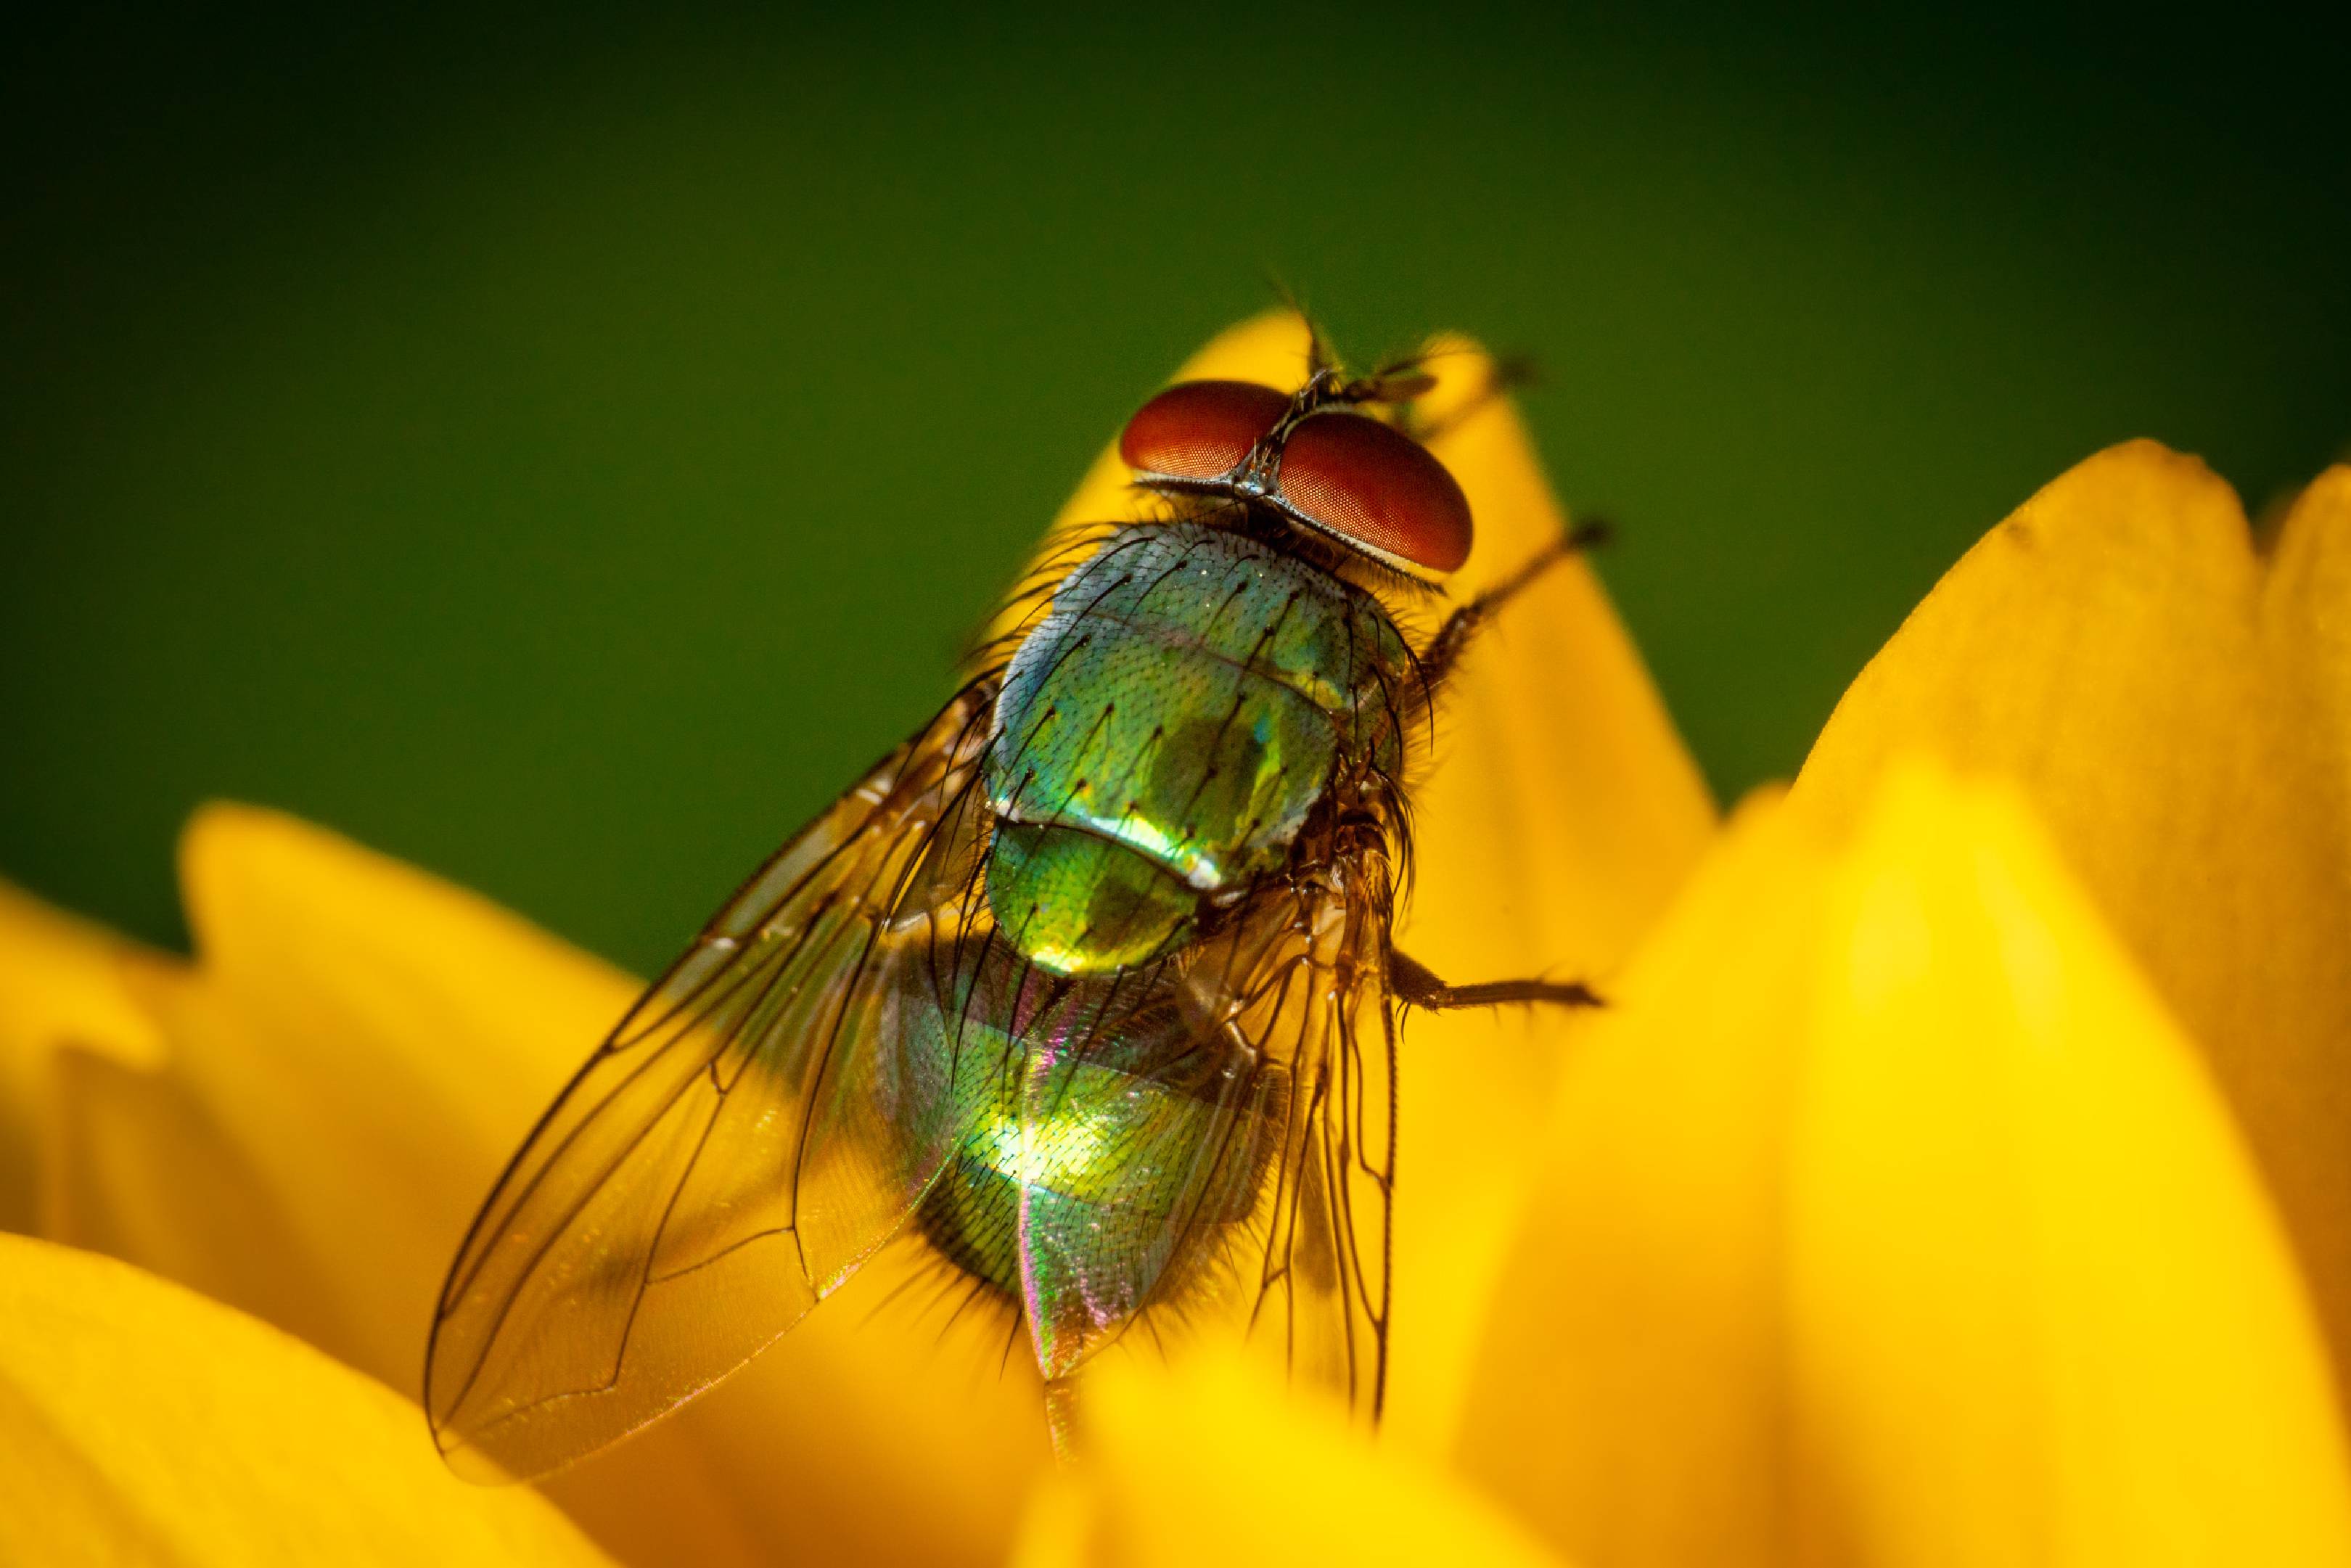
1226,1134
761,1121
1321,1291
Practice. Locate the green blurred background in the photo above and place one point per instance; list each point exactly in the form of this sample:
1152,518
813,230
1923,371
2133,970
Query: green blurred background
561,449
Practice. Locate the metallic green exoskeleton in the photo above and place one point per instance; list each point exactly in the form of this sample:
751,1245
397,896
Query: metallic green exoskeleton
1162,737
1086,992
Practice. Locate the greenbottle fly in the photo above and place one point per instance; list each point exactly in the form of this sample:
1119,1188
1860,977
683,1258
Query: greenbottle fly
1089,987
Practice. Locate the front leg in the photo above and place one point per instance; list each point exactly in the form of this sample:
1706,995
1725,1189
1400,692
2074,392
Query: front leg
1444,651
1414,984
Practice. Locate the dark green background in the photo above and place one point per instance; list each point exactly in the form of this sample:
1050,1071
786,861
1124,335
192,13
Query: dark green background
562,449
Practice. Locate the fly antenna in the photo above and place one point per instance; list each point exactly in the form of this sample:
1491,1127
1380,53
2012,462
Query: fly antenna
1319,356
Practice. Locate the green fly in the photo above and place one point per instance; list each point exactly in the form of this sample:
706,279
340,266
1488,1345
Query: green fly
1088,987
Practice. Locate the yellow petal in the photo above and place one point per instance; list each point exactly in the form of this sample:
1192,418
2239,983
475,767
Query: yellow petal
139,1422
1902,1226
58,986
1629,1398
135,1165
2307,616
1209,1463
2114,649
2022,1213
1559,815
1564,811
229,1168
370,1045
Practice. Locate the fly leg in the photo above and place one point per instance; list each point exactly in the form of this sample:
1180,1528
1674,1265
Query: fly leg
1414,985
1444,650
1412,982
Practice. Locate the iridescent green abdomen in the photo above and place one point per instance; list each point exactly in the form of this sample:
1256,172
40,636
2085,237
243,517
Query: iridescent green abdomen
1166,732
1092,1134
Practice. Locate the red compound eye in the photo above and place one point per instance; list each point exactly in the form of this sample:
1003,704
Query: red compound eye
1377,488
1200,430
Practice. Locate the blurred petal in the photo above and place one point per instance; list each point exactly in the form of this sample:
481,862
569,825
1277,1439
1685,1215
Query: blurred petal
2306,615
1562,813
360,1049
2021,1209
1560,817
1209,1463
58,985
136,1166
1902,1226
1629,1395
374,1040
139,1422
2176,715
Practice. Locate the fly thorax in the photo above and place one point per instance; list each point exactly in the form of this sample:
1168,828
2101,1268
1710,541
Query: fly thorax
1167,729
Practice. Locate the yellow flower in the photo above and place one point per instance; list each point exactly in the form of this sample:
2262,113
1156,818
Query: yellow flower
300,1122
1889,1215
1896,1212
2175,706
1892,1220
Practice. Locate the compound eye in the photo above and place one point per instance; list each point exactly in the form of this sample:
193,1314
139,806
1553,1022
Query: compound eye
1199,430
1374,487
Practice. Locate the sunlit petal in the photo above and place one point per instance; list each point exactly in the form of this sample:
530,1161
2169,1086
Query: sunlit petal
1903,1226
2042,1309
371,1044
1562,815
1629,1396
144,1424
1207,1462
2173,710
